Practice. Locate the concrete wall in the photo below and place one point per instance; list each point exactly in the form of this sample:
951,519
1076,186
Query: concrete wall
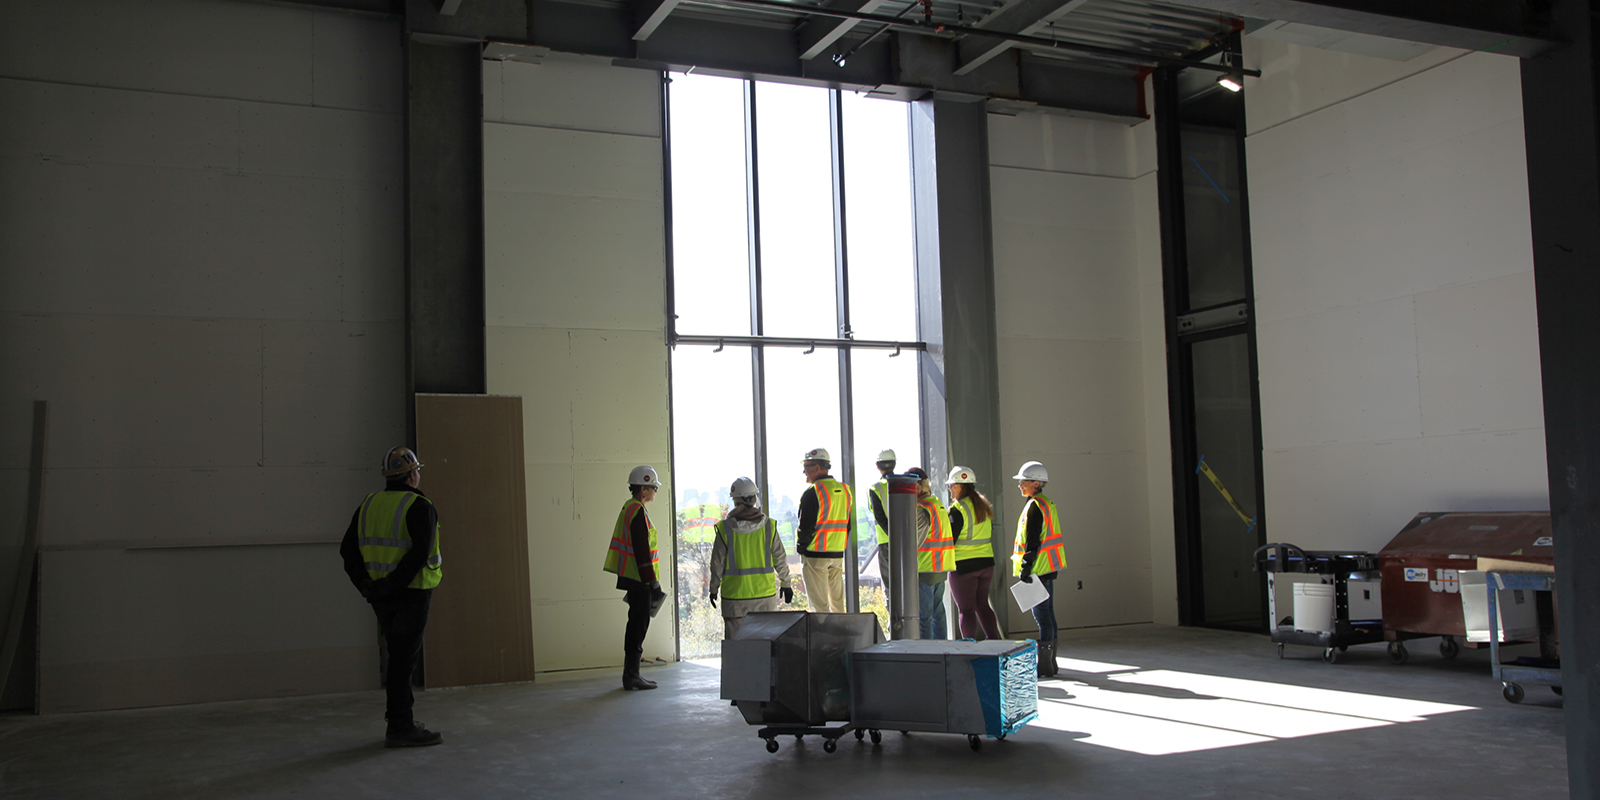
1394,287
576,297
1073,204
200,270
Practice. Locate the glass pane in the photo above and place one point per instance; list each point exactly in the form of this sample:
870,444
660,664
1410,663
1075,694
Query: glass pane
802,414
1225,436
878,219
710,231
887,412
713,442
795,165
1213,217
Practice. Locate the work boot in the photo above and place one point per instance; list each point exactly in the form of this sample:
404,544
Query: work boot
416,736
1050,666
1040,656
631,679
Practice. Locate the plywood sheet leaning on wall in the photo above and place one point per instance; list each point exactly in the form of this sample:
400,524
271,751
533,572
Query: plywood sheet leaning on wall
480,629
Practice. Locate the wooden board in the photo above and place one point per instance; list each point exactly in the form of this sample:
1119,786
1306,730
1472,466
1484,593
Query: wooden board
481,627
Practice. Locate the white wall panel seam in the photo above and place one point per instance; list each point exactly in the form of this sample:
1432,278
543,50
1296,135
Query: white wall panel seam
1344,100
200,96
494,123
1016,168
1263,307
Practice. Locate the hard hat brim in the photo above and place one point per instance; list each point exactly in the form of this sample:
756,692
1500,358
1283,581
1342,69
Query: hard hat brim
389,473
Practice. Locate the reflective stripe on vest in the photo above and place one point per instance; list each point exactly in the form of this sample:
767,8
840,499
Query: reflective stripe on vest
834,505
976,538
937,552
1052,543
749,573
880,490
384,538
620,558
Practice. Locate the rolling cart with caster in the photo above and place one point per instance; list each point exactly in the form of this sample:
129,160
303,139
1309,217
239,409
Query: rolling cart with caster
1336,567
1542,671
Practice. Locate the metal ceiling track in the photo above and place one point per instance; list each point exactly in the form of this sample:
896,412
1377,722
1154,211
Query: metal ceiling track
937,29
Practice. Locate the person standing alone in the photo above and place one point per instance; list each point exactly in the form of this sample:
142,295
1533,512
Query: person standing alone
825,512
391,553
632,557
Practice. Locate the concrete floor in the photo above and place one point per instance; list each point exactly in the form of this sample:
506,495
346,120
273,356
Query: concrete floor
1108,731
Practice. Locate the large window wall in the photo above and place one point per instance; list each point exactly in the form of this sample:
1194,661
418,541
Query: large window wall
794,311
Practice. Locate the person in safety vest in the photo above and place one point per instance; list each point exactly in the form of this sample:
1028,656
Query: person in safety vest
391,553
632,557
935,557
827,511
971,523
748,562
878,498
1040,551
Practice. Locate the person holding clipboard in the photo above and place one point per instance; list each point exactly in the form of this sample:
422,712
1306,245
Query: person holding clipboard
1039,553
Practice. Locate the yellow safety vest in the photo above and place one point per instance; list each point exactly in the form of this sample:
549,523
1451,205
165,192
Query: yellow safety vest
976,537
937,552
1052,543
749,572
835,504
620,558
880,490
385,538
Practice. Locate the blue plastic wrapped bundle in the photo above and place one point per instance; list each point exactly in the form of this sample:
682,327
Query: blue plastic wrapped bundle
1008,689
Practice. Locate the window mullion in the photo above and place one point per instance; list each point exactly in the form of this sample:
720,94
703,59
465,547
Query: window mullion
841,276
758,368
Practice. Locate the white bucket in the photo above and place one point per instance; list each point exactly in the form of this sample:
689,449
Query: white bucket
1313,607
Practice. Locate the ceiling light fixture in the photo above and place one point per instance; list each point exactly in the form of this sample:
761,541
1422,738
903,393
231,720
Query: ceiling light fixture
1233,79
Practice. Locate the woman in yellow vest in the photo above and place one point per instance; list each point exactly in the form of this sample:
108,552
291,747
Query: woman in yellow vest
935,557
1039,553
748,563
632,557
971,523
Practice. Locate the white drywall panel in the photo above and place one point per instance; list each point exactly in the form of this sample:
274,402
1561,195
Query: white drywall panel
577,92
535,363
245,50
1070,397
172,504
1101,500
1358,495
578,164
77,124
358,62
330,392
1342,376
1478,357
112,239
137,391
372,251
1297,80
1111,595
1163,573
1064,282
1085,202
1061,144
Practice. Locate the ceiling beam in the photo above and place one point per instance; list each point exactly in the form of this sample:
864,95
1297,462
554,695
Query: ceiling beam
1511,27
650,14
1018,16
817,34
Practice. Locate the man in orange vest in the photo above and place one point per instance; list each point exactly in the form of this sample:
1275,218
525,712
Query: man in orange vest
826,512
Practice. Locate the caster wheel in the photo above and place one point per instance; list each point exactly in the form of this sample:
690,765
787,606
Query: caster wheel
1343,648
1397,652
1001,737
877,736
829,745
1449,648
905,733
799,736
1280,649
1513,693
975,743
1557,690
772,745
860,733
1330,655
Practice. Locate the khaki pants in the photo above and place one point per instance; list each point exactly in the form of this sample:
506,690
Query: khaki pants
733,612
824,579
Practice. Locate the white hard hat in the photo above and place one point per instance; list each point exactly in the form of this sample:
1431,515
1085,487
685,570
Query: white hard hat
887,455
743,487
817,454
644,476
961,475
1032,471
399,461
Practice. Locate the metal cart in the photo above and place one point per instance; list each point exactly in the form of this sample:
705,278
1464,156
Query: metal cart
789,672
1340,565
1542,671
977,689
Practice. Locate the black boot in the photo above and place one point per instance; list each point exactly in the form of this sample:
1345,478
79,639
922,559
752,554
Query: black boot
1048,662
413,736
1040,654
631,679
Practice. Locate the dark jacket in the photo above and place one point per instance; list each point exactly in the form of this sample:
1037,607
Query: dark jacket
421,521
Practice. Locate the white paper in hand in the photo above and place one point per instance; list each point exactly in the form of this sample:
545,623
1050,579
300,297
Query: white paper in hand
1029,595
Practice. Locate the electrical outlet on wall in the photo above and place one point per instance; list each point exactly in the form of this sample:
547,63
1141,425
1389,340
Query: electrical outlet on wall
1080,586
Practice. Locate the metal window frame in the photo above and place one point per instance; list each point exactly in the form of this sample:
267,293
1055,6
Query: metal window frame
757,340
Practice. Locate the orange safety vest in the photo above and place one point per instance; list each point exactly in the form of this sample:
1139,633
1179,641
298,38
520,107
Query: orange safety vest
1052,544
835,504
620,558
937,553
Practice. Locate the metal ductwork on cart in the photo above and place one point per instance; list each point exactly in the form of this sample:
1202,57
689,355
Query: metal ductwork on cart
790,670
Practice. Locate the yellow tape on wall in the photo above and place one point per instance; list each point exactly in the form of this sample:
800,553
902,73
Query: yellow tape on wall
1204,469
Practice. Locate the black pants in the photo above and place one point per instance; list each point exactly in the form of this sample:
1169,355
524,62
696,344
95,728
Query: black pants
401,618
638,619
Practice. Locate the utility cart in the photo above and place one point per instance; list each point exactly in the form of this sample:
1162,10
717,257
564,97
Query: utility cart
1542,671
1321,621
